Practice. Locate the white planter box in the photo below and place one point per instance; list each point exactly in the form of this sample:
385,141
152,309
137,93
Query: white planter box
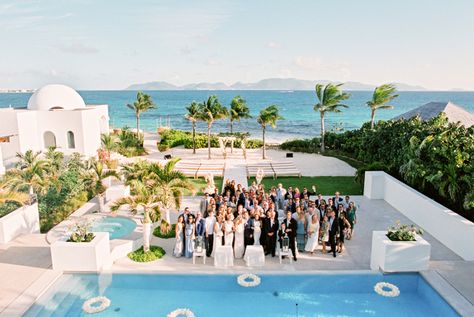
82,256
399,256
24,220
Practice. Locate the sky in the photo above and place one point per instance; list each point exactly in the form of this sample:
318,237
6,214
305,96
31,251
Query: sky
110,44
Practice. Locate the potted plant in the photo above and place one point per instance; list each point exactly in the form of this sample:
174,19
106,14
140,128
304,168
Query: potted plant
400,249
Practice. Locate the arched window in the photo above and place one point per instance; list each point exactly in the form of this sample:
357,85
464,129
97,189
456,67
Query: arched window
49,139
71,143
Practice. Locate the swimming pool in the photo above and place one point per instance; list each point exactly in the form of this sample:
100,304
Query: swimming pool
117,227
220,295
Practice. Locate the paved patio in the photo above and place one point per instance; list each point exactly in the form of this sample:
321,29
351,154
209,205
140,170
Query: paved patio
25,261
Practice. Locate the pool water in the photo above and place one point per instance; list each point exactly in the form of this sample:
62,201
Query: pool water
117,227
220,295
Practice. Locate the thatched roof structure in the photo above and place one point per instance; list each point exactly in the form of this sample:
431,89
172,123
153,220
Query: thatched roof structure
453,112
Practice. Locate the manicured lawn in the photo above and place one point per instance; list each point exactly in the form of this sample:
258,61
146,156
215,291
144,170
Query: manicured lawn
200,184
326,185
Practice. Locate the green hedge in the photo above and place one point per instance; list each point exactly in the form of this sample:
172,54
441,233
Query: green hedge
173,138
435,157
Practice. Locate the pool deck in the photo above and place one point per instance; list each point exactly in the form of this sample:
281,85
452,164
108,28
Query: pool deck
25,264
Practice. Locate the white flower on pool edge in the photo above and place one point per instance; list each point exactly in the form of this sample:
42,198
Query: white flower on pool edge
393,292
248,280
89,308
181,312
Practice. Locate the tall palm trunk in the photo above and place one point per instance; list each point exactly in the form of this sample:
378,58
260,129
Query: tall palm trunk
231,126
146,230
138,126
322,132
194,137
372,119
209,141
31,194
263,148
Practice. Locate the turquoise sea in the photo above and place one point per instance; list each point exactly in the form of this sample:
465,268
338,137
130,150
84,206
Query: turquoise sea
296,107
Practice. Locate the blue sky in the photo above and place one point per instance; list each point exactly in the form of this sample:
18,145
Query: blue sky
94,44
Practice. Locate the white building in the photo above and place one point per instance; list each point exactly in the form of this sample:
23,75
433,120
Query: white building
57,116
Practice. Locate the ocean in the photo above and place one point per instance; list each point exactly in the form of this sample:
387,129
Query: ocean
300,120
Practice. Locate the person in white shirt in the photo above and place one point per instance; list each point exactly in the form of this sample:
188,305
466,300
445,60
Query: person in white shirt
210,221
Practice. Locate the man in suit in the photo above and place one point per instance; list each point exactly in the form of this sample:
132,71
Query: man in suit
248,230
209,232
337,200
333,231
271,230
289,227
204,204
280,196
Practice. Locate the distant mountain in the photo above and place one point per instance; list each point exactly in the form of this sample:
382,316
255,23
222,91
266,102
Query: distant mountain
264,84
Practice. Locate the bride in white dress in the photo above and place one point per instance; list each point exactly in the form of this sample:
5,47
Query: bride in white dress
313,235
218,233
239,247
257,229
229,230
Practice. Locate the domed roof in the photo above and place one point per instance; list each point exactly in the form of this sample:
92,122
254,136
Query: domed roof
55,97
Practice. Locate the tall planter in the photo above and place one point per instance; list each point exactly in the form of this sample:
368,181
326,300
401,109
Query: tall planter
399,256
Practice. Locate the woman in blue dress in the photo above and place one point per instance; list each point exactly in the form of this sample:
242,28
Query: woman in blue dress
190,233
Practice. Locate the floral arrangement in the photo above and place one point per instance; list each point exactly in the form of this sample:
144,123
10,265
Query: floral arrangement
248,280
90,307
401,232
181,312
393,291
81,233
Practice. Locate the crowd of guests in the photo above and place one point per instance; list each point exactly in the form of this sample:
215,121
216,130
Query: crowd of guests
239,217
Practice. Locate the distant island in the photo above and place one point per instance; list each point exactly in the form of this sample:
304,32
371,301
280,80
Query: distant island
264,84
9,91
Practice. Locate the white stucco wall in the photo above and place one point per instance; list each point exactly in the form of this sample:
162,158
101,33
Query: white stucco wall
454,231
24,220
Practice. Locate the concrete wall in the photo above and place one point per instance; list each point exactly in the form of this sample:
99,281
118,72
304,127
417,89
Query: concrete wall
24,220
454,231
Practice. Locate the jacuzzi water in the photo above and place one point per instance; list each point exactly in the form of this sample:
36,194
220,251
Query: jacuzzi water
221,296
117,227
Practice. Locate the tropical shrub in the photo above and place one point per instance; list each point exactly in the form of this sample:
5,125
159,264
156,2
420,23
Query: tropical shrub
401,232
129,144
81,233
170,234
139,255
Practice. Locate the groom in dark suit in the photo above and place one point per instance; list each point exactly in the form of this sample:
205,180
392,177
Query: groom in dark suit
248,230
271,230
333,231
289,227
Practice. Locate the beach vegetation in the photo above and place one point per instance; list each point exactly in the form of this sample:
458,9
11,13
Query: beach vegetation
210,111
142,104
192,115
238,110
381,98
330,99
268,117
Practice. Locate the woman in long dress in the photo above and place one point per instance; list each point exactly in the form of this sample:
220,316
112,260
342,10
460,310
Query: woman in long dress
257,229
178,247
239,247
218,234
190,232
313,235
228,230
300,230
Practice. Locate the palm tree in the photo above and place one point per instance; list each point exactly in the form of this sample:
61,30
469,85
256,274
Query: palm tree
54,162
13,196
330,98
381,97
268,116
238,110
145,199
210,111
107,142
193,116
96,173
142,104
169,184
30,173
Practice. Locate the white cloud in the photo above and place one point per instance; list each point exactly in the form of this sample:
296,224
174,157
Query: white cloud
78,48
308,63
272,44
